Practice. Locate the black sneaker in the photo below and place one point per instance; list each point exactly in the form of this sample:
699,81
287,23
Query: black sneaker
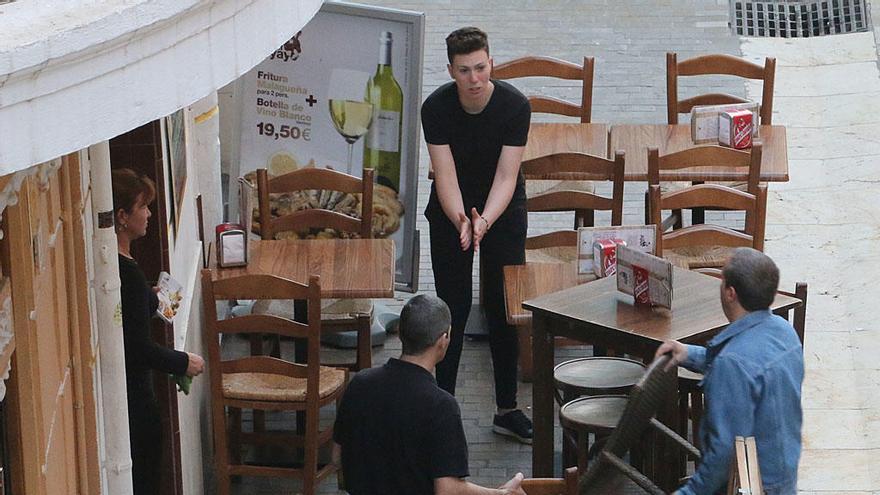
514,424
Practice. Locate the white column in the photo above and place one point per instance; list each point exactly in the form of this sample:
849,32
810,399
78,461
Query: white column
116,464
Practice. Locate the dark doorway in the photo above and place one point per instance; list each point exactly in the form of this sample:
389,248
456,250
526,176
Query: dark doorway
141,150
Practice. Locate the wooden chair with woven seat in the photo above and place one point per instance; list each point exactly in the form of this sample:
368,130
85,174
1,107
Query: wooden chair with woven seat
716,65
266,383
338,315
704,245
609,473
545,67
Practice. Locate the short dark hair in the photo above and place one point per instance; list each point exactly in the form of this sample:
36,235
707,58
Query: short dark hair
128,186
754,276
466,40
423,320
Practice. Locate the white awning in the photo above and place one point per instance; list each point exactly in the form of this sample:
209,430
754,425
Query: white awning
75,73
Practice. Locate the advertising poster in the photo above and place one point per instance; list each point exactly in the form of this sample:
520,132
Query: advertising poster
344,93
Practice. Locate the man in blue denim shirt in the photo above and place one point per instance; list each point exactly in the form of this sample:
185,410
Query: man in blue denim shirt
753,375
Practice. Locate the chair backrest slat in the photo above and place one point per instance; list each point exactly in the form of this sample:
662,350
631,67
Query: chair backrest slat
264,364
708,196
252,324
706,235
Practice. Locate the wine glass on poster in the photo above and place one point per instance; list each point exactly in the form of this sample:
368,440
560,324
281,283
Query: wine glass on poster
350,114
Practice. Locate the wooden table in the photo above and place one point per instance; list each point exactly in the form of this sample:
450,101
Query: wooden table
549,138
598,313
349,268
635,140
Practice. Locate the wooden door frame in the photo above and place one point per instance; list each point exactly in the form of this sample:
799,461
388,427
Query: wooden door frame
23,403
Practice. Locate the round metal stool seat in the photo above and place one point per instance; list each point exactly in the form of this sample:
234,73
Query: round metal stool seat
596,414
596,376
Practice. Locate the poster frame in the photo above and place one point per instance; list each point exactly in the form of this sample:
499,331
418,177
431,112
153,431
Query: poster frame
407,282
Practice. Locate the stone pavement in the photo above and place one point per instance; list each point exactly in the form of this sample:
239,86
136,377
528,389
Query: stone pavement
821,224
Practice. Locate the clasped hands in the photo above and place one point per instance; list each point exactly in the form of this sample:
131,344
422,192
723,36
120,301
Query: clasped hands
471,230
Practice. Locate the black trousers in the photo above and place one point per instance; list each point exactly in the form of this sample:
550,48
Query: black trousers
146,444
503,244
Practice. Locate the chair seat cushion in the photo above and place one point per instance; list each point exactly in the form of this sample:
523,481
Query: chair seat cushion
331,309
555,254
691,257
279,388
537,187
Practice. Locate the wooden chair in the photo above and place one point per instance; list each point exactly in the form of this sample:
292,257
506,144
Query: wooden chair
321,189
698,246
609,473
745,472
265,383
567,485
717,65
564,184
560,69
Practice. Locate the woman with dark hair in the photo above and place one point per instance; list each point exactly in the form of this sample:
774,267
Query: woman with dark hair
132,195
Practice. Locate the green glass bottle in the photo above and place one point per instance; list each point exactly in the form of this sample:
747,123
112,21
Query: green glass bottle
382,145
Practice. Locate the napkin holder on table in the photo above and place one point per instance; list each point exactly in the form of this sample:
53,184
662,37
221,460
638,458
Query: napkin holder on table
645,277
232,245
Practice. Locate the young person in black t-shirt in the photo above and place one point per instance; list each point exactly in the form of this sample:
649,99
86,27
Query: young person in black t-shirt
398,431
476,129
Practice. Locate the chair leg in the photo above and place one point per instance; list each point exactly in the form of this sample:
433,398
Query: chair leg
221,451
235,435
524,336
583,451
364,344
310,458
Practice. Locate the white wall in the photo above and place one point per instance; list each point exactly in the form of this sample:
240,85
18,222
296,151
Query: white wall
203,177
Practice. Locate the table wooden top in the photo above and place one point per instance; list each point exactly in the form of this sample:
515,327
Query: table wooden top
635,140
349,268
696,312
550,138
524,282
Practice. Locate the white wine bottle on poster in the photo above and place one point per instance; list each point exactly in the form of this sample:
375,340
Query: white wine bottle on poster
382,145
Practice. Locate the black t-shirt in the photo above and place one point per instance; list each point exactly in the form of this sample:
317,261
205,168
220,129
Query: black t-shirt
476,139
142,354
398,431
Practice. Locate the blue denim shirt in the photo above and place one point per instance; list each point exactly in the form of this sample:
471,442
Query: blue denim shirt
753,374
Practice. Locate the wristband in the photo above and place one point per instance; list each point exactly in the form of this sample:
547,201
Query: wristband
484,219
